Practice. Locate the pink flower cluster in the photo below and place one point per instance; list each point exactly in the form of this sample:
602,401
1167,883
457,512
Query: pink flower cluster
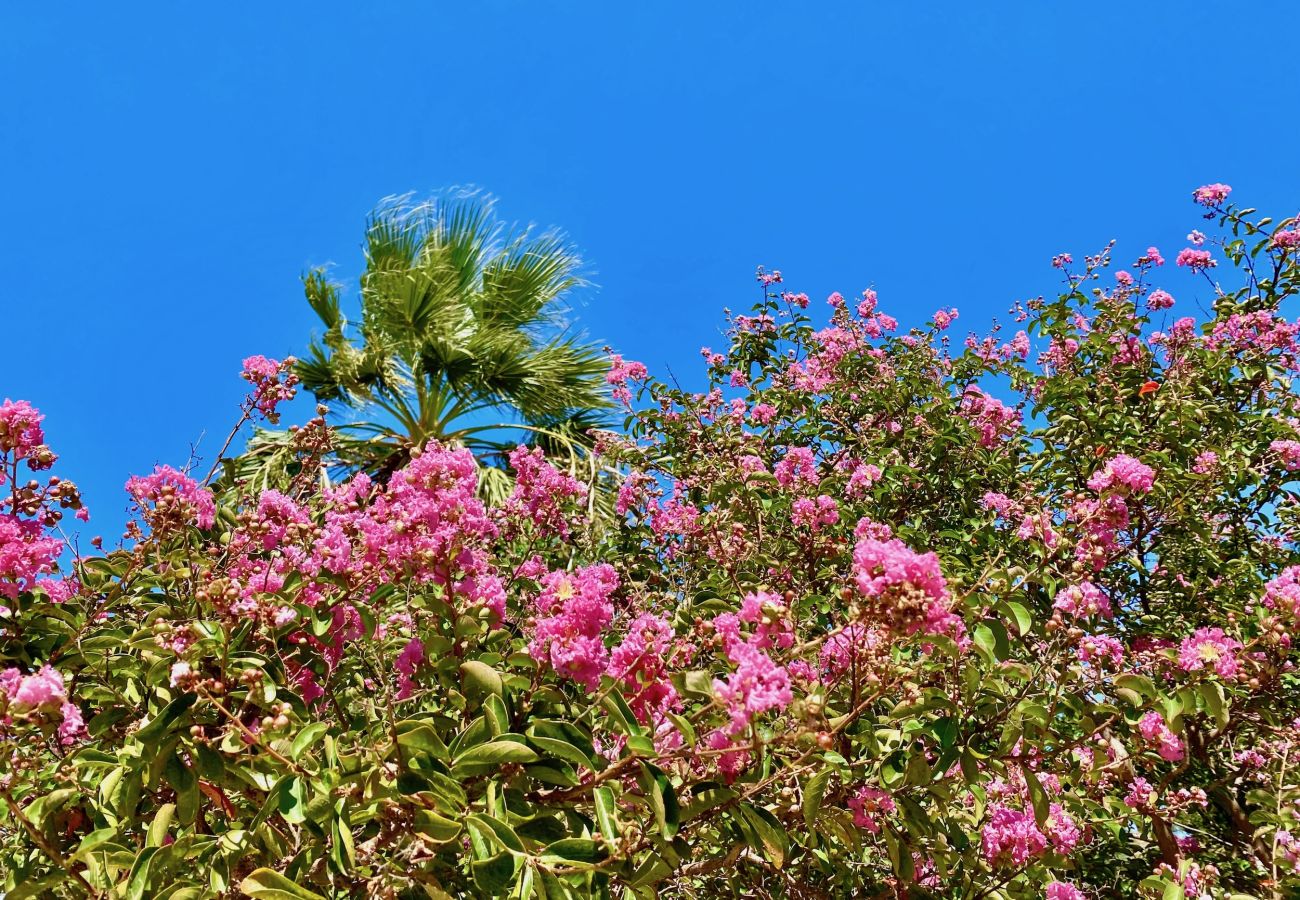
797,467
910,591
1156,732
1287,239
1288,452
273,381
815,514
641,662
573,611
1123,474
994,419
21,435
1011,837
1210,648
1282,594
542,493
168,499
41,693
620,373
1211,194
868,804
1159,299
1196,260
1083,600
25,553
1100,650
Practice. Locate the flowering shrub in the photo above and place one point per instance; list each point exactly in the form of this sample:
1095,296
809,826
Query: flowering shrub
882,616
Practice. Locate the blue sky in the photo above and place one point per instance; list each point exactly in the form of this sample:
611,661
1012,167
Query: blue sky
168,170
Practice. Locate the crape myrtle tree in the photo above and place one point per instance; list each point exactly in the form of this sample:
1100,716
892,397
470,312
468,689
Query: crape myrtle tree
883,616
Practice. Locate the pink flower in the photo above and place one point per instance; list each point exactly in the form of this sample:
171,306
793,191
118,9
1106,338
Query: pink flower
868,804
1156,732
815,514
944,318
406,663
798,466
641,663
863,476
1288,452
273,383
1011,837
1283,592
1160,300
72,728
21,434
1140,794
758,685
25,553
995,420
1124,474
1205,463
1196,260
1063,890
1062,830
1288,239
1211,194
574,608
41,690
168,498
909,587
762,413
1083,600
1153,256
620,373
1123,278
848,649
735,758
1210,648
542,493
1100,650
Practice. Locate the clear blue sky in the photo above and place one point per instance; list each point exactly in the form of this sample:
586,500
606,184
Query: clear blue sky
168,170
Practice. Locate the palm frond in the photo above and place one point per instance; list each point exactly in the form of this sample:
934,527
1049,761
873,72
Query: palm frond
462,319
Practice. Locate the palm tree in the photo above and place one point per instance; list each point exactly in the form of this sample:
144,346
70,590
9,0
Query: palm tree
462,339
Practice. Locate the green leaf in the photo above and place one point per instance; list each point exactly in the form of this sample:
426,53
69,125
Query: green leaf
541,828
1037,797
151,734
494,875
561,750
1024,621
658,789
440,828
93,840
414,734
606,813
162,821
813,792
766,834
138,880
497,830
308,736
620,714
268,884
479,680
575,850
490,756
